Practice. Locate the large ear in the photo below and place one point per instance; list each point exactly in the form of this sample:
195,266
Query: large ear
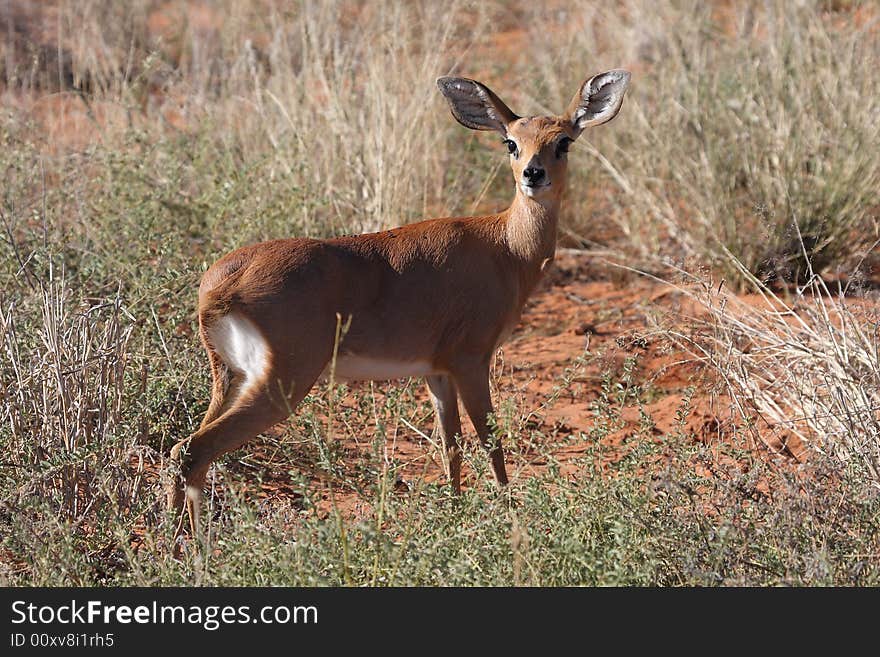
474,105
598,100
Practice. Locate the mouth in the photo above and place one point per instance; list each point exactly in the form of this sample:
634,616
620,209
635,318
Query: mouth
531,190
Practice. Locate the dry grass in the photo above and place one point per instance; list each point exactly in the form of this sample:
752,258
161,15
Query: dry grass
748,125
352,125
805,364
64,388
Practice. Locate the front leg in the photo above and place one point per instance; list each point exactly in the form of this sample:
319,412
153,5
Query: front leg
444,398
472,381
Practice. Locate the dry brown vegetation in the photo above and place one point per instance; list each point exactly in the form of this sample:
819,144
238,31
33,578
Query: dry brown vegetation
693,398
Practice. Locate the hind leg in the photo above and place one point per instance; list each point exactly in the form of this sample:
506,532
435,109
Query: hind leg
247,416
225,389
225,384
255,409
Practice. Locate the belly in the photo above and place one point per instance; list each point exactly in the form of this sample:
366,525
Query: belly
351,367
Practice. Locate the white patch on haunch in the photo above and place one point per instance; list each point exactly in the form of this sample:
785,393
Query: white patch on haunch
241,346
350,367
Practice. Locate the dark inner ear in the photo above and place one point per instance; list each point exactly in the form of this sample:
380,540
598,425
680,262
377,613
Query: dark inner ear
599,99
474,105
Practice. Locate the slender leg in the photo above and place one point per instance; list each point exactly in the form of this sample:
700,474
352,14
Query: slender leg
447,424
247,418
226,389
472,382
253,411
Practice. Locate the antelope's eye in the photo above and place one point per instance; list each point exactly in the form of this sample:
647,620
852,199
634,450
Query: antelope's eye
562,146
511,146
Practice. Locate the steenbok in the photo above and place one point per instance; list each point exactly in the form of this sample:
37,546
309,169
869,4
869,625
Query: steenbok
432,299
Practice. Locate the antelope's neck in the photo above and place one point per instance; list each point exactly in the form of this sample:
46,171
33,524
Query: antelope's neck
531,232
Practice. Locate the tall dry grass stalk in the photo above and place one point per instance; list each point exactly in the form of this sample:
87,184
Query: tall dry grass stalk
354,122
807,363
771,125
65,401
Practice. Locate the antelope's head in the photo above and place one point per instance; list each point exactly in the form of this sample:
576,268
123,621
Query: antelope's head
537,144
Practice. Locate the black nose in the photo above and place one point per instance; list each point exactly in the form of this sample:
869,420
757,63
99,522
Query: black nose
533,175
